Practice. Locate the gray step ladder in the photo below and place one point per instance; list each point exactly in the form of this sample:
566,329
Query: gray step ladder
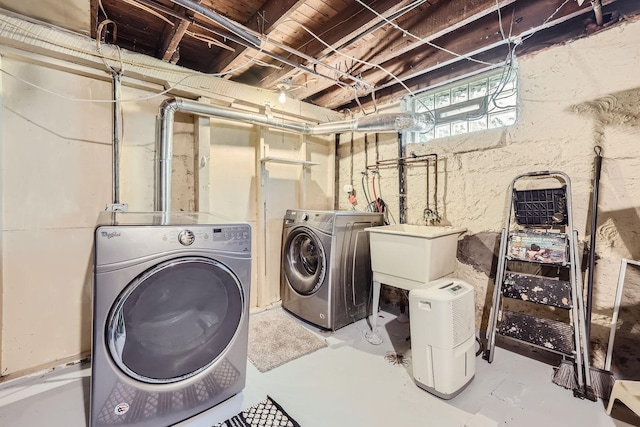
539,235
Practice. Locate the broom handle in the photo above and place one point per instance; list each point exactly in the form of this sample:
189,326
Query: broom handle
592,242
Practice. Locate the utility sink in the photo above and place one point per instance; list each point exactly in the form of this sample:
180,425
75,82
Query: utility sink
407,256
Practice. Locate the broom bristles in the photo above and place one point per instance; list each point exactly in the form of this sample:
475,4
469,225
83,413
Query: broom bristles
565,375
602,383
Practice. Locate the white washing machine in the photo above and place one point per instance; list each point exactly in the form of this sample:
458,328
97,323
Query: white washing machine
170,316
326,274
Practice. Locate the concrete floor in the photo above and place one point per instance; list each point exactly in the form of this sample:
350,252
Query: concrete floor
348,383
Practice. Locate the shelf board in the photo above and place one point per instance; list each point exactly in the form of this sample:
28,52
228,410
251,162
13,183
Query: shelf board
288,161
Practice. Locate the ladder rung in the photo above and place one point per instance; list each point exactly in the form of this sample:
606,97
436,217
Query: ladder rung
543,333
539,248
541,290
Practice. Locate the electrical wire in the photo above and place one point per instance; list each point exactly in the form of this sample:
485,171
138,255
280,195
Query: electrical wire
369,64
375,195
408,33
545,22
146,9
258,52
122,61
364,191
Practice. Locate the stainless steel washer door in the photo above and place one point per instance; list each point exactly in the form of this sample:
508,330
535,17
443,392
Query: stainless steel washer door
304,262
175,320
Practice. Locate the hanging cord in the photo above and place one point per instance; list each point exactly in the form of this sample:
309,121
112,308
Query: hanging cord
592,240
379,209
435,190
364,190
480,347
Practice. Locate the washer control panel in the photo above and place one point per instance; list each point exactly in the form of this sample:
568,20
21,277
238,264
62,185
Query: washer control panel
123,243
224,234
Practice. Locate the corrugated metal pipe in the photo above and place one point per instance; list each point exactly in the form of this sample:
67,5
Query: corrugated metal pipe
393,122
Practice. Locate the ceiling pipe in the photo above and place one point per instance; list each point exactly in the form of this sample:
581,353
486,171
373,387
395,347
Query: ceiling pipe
117,83
393,122
277,57
255,41
220,20
597,10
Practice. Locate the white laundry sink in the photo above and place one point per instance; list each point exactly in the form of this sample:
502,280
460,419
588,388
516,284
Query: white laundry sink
407,256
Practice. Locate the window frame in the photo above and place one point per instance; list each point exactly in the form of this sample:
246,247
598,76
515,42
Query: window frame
500,109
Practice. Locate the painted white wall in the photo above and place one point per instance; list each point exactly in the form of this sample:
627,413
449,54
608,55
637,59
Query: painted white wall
573,97
56,178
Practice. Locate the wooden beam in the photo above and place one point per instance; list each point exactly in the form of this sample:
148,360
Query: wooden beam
171,39
172,35
527,15
341,29
424,81
446,18
93,10
271,14
569,27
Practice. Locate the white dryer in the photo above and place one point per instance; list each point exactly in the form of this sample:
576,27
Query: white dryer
170,316
326,274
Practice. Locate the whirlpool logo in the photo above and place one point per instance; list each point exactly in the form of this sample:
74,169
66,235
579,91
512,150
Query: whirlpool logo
121,408
110,234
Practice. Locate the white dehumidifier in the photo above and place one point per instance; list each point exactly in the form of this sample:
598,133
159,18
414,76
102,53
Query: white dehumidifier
442,321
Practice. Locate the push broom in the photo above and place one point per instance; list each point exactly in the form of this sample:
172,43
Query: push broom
601,380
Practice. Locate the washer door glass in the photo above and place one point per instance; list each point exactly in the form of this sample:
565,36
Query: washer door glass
304,261
175,319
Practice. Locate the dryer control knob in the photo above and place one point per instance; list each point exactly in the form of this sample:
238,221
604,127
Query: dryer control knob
305,216
186,237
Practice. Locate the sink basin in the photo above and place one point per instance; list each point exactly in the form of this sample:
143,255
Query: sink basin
407,256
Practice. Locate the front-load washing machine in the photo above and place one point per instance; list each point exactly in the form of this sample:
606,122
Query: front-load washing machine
170,316
326,269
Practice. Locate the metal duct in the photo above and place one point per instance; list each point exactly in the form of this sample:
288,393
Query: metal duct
44,39
394,122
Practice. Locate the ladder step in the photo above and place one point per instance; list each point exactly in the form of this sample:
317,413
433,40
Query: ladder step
538,248
541,290
544,333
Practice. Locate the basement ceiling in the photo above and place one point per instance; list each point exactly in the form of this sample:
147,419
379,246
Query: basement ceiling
343,54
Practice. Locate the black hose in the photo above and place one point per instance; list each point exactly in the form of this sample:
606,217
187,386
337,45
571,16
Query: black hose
592,243
480,347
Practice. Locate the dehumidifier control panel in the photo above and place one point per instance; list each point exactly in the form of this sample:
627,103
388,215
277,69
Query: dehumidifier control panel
453,288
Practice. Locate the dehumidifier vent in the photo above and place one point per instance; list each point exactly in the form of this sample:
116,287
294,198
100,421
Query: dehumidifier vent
461,309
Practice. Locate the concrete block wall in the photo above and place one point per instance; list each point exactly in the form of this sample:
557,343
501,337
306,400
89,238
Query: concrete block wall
572,98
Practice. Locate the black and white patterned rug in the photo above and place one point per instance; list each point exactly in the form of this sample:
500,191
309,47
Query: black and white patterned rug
266,413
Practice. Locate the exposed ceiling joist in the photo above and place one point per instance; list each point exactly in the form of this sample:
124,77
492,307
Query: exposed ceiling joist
171,37
272,14
266,42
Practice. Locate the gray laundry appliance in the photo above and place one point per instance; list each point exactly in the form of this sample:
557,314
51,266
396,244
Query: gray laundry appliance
326,274
170,316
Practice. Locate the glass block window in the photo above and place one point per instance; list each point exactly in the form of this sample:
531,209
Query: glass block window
483,102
